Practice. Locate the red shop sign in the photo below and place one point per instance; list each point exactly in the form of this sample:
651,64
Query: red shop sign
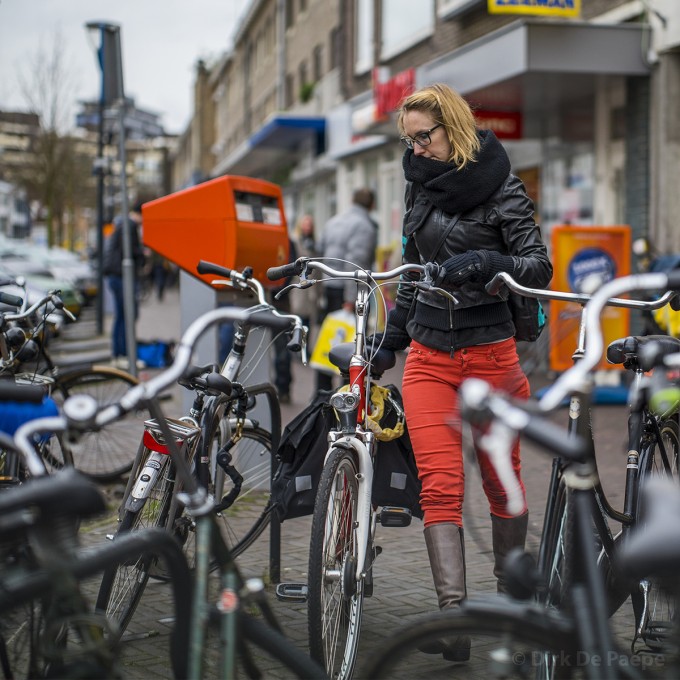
388,95
506,124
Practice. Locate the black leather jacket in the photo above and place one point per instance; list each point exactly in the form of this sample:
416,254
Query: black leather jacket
504,224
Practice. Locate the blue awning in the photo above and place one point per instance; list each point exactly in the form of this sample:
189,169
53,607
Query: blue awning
282,140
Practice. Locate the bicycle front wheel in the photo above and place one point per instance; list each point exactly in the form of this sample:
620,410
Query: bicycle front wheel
122,586
509,640
106,455
335,601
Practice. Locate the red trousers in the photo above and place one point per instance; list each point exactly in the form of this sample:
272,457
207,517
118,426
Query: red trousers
430,393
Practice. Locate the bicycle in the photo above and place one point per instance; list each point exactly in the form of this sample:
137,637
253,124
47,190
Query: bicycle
231,610
342,549
47,628
526,637
26,358
653,448
231,453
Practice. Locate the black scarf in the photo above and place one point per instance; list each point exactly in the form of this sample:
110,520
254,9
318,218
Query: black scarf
454,190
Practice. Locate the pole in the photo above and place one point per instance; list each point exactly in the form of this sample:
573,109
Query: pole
100,219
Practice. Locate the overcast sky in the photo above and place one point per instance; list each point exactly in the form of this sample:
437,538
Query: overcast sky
161,42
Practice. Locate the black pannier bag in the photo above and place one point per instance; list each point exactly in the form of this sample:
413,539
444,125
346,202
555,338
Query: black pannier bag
301,453
303,449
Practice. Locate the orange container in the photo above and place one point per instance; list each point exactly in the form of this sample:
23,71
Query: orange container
233,221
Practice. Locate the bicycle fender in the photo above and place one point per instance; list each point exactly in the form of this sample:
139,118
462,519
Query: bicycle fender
146,481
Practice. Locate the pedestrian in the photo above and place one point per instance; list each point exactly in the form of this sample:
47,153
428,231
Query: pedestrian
112,268
468,213
305,302
348,242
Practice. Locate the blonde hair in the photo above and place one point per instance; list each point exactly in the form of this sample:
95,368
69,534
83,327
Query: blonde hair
450,110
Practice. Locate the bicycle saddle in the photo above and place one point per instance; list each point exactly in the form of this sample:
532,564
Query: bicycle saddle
643,351
382,360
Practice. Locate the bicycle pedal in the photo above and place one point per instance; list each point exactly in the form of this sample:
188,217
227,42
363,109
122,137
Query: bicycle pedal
292,592
392,516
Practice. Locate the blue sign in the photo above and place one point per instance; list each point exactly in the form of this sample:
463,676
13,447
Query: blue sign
590,262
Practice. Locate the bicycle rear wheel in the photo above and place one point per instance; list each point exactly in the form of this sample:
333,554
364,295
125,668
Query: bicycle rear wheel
335,601
122,586
249,515
657,619
106,455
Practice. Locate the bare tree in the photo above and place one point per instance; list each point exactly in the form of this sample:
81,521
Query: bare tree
54,177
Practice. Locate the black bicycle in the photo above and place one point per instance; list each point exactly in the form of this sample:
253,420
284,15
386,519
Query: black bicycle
525,638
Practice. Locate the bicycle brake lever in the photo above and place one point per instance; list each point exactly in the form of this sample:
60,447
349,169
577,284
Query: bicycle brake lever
424,285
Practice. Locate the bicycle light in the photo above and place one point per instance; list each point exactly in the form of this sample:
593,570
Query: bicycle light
344,402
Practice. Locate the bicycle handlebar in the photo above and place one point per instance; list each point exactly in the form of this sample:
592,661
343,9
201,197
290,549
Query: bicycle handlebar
82,414
11,300
577,378
503,279
52,297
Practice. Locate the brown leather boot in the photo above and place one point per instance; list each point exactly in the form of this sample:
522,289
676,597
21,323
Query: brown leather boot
506,534
446,550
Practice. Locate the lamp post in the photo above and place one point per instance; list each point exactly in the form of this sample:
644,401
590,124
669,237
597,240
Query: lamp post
110,58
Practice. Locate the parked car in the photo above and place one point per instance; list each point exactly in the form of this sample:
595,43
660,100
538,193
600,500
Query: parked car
62,264
42,280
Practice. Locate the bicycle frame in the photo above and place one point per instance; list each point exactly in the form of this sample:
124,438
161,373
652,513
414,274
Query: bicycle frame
579,423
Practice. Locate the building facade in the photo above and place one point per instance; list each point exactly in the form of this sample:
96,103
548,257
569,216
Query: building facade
586,106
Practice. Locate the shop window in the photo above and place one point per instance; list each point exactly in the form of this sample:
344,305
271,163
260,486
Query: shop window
402,27
363,35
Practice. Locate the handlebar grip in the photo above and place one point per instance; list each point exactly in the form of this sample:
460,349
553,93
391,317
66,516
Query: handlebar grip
284,271
674,279
495,286
547,435
295,342
675,303
11,391
276,323
204,267
12,300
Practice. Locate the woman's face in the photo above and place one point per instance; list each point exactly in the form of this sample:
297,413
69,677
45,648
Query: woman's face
417,122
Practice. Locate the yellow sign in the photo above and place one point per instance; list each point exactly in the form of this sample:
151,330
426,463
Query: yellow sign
579,253
336,328
546,8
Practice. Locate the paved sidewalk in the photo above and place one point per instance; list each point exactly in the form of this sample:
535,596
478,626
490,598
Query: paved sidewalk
403,583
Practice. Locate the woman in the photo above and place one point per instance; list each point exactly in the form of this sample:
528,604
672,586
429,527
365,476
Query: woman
469,214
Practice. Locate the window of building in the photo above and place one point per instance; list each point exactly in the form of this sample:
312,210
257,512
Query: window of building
317,60
401,27
336,46
290,93
303,5
363,49
449,8
290,13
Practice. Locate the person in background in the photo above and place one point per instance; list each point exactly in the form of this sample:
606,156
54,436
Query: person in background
112,269
351,236
305,302
468,213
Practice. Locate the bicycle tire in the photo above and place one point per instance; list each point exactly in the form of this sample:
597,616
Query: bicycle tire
122,586
555,570
335,600
279,647
660,612
245,520
106,455
509,639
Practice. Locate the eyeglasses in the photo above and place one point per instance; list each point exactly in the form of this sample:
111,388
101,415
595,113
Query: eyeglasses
421,139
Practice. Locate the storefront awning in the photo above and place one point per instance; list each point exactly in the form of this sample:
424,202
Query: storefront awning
536,67
281,141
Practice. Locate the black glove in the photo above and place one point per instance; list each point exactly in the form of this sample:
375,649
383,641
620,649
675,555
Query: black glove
474,265
460,268
395,336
